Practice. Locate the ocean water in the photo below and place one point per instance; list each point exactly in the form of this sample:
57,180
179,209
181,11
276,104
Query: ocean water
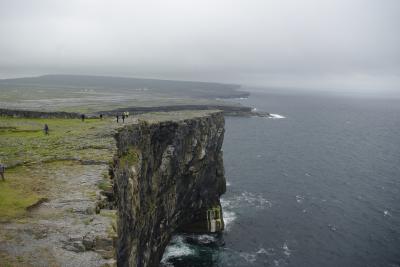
317,185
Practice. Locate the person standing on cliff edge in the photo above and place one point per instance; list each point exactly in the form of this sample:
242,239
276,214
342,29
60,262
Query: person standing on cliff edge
83,117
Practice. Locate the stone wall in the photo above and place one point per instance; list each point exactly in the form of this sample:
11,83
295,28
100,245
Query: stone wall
37,114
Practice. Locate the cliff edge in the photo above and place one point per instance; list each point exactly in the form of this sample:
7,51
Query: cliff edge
168,175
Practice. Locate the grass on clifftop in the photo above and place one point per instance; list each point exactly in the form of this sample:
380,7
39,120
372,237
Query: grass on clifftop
23,187
23,141
130,157
156,117
24,149
14,201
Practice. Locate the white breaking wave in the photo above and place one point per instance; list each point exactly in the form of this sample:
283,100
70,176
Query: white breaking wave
299,199
276,116
261,251
249,257
242,200
286,249
178,248
332,227
246,199
268,251
256,200
260,255
206,239
229,217
224,203
252,199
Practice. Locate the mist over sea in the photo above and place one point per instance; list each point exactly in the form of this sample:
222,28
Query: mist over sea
319,185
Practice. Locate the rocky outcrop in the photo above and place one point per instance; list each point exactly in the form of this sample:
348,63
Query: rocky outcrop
168,175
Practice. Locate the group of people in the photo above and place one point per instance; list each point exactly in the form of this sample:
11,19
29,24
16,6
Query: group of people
46,132
123,116
83,117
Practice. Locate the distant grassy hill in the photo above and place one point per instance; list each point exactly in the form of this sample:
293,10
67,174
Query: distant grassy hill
104,83
93,93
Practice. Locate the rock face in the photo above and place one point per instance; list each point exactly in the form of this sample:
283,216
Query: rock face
168,175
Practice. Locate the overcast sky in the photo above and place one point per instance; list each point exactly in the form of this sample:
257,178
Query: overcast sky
343,44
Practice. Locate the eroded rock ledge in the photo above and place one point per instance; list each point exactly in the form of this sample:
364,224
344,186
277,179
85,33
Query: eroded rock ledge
168,175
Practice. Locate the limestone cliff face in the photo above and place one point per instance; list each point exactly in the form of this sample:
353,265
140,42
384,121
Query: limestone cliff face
168,175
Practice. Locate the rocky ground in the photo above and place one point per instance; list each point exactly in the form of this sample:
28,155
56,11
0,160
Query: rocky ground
56,201
65,229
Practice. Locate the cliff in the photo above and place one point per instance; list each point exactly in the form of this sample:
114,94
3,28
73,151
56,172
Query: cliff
168,176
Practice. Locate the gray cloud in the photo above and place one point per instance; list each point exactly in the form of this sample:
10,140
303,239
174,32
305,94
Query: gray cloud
301,43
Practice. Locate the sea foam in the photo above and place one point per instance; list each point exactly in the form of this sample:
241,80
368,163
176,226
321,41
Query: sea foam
276,116
286,249
177,248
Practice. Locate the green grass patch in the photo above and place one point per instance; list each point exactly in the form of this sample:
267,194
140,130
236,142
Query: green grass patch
23,141
24,186
14,201
105,185
129,157
92,194
109,213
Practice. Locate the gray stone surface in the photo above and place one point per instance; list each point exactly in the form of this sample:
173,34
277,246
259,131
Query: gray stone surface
59,232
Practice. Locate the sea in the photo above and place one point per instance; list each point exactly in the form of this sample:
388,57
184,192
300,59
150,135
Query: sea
316,185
